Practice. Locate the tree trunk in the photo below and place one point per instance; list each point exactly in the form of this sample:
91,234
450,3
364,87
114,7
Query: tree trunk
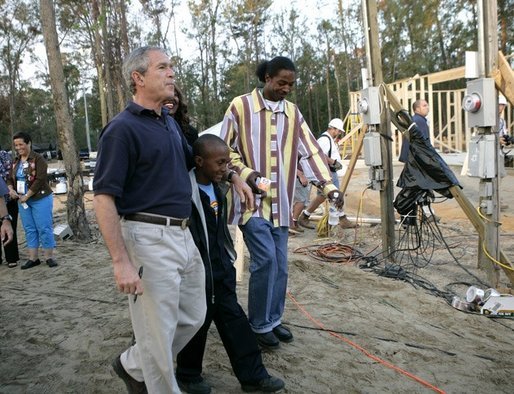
75,203
97,54
345,50
329,103
107,57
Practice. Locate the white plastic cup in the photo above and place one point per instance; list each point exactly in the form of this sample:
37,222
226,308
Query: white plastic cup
474,294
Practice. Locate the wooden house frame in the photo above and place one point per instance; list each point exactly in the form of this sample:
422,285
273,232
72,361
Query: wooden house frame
447,120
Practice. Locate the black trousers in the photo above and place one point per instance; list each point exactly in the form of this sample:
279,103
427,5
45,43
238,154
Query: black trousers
11,249
235,332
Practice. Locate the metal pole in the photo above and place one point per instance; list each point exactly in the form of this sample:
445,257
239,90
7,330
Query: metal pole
488,62
88,138
375,77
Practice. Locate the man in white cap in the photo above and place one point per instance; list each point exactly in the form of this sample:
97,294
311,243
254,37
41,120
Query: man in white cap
329,146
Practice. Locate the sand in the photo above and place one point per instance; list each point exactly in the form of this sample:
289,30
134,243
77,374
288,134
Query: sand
60,328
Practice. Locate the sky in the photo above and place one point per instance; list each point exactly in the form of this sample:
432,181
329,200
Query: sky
312,10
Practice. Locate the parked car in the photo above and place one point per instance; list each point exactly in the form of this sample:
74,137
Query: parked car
84,154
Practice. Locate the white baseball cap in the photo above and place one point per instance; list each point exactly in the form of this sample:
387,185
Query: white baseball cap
502,99
336,123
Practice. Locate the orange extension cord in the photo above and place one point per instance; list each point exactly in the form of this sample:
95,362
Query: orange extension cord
362,350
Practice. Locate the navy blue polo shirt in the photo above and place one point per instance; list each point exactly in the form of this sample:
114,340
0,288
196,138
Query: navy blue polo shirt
143,161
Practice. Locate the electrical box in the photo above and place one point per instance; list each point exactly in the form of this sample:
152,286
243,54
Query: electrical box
480,103
372,152
482,150
63,231
369,105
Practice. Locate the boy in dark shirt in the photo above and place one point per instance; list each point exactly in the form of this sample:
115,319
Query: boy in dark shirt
211,235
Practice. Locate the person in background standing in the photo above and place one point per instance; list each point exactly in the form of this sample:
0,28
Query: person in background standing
11,251
267,136
420,108
327,142
177,108
28,183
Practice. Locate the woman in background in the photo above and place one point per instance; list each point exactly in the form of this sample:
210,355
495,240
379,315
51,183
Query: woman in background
178,110
28,183
11,252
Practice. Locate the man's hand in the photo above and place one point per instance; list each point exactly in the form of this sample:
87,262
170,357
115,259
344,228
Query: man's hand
336,165
252,182
125,275
244,190
6,232
127,278
337,198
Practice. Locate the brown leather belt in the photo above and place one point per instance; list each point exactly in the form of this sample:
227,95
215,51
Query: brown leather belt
160,220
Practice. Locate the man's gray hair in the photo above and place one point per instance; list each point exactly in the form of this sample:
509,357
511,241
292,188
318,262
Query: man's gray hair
137,60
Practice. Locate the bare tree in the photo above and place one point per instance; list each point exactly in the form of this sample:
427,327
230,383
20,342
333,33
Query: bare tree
75,202
18,30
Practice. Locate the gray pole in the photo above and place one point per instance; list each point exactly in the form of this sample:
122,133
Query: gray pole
488,62
375,78
88,138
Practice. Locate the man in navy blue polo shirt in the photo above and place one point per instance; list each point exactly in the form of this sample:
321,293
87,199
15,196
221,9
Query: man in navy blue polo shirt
141,175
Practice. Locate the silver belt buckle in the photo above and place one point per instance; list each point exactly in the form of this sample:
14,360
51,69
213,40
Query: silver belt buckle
183,225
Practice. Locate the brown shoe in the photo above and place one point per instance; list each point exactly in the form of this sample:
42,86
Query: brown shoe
344,222
304,221
296,227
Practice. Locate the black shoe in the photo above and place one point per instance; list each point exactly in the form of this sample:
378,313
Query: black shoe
283,333
268,340
199,386
30,264
268,385
133,386
51,263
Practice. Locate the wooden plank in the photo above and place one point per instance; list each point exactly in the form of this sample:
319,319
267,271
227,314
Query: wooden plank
353,160
504,78
446,75
477,222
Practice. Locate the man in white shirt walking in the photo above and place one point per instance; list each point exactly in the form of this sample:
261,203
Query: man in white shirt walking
329,146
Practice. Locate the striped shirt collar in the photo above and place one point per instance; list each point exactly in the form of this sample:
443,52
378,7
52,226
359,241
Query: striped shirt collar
261,103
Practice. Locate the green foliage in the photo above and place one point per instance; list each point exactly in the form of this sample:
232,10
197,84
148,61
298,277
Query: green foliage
430,37
226,39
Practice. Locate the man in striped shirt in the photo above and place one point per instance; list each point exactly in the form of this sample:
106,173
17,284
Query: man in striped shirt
267,135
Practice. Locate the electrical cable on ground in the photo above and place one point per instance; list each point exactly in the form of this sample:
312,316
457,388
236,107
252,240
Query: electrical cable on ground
363,350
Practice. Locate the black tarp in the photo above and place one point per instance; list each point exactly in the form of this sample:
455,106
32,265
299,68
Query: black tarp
425,169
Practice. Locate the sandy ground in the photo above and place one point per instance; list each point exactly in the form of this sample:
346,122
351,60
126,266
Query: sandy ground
355,331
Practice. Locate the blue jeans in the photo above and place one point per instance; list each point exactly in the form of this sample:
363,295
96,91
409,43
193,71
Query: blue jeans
268,273
37,221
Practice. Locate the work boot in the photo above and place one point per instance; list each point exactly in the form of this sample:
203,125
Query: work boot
295,227
304,221
344,222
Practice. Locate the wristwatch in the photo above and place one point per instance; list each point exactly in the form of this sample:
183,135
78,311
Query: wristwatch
7,217
230,175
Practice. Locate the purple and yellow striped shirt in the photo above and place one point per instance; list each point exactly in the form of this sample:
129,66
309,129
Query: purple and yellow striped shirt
271,142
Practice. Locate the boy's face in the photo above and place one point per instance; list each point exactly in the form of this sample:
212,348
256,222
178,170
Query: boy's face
213,165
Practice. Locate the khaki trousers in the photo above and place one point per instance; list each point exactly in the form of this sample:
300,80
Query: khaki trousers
172,308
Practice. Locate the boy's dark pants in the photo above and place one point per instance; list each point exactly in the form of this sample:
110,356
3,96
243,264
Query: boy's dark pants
235,332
